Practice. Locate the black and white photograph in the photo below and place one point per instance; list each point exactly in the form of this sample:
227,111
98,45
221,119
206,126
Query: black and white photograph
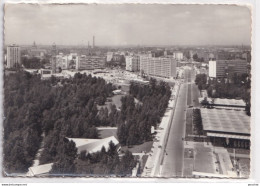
127,90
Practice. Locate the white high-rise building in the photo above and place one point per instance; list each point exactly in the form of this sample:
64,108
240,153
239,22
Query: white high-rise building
132,63
160,67
212,69
109,56
178,56
13,56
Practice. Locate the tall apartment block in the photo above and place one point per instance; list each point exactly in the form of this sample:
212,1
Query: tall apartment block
132,63
160,67
13,56
221,68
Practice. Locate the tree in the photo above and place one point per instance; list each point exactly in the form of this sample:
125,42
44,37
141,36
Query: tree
126,165
67,153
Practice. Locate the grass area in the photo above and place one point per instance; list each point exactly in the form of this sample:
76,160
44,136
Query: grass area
104,133
188,122
146,147
125,88
143,162
189,101
116,100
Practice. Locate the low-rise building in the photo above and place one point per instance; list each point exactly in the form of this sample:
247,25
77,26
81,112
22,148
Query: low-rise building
94,145
40,170
226,127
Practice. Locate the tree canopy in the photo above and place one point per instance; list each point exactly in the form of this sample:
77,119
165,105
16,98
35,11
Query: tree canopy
136,119
56,108
233,87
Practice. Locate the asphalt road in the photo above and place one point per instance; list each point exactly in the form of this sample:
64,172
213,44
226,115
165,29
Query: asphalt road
173,161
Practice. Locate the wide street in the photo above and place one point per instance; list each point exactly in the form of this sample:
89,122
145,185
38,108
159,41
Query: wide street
174,152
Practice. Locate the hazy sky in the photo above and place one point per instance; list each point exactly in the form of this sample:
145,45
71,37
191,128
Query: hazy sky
127,24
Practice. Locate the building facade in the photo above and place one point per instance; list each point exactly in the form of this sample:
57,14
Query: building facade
73,60
221,68
178,56
132,63
90,62
13,56
160,67
62,61
109,56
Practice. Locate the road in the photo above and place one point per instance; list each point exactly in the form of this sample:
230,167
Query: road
173,161
188,96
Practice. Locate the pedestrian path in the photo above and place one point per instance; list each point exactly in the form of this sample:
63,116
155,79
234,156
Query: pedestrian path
152,165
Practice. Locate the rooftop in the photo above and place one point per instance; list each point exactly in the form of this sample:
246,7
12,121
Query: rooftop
237,102
93,145
40,169
226,121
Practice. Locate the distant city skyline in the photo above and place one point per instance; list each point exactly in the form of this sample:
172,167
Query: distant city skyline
121,25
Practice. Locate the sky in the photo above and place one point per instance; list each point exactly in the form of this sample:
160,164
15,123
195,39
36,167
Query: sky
127,24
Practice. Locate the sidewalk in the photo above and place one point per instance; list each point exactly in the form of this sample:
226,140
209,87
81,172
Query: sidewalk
152,165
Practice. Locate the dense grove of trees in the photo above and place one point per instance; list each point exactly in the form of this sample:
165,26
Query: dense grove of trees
34,62
105,163
48,111
134,126
235,86
33,107
196,58
102,163
201,81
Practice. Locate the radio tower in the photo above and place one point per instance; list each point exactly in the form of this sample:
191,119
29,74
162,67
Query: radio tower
53,58
93,42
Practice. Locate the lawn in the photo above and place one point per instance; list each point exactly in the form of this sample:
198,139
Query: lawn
189,122
116,100
146,147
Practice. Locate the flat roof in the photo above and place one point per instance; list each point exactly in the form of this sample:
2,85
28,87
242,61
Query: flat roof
234,136
237,102
93,145
40,169
226,121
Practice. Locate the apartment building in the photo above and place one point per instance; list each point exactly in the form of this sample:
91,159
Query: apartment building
13,56
160,67
221,68
132,63
90,62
